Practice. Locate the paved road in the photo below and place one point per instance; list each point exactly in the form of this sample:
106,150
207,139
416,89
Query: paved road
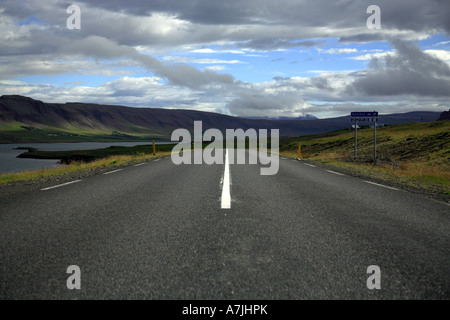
157,231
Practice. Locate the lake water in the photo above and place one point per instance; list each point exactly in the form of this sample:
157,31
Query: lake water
10,163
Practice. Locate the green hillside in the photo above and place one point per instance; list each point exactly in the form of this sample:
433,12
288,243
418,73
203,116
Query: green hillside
10,133
416,154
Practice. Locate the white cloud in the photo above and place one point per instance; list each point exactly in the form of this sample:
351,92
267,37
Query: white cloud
439,54
215,61
205,50
178,59
216,68
370,56
341,51
442,43
211,51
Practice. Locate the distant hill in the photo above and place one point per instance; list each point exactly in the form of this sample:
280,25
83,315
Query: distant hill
305,117
24,119
444,116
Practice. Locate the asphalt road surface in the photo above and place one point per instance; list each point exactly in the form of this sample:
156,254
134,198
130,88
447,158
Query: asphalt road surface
158,231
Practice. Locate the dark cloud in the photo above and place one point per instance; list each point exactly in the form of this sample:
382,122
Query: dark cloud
416,15
321,83
257,24
43,43
271,44
410,71
179,74
363,37
256,101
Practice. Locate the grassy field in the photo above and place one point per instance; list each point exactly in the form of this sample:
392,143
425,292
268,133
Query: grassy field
81,166
86,160
415,154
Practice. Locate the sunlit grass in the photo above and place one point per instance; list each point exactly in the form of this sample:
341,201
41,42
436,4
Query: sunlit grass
414,173
419,153
75,167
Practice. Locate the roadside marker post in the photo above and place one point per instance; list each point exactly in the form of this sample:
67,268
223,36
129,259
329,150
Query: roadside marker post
154,148
299,152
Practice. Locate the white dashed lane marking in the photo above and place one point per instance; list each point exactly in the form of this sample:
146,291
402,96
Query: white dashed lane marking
139,164
113,171
381,185
333,172
226,196
60,185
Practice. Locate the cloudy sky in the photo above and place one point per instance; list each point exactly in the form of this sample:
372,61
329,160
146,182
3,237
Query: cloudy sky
244,58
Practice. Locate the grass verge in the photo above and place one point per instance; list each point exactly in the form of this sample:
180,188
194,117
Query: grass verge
413,155
80,166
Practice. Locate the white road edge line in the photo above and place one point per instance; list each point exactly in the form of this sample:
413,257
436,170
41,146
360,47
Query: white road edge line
311,165
113,171
60,185
139,164
381,185
333,172
156,160
226,197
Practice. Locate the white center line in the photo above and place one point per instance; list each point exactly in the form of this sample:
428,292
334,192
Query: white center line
333,172
139,164
60,185
226,197
113,171
311,165
381,185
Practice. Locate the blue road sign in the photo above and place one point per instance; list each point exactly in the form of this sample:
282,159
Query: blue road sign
364,114
368,119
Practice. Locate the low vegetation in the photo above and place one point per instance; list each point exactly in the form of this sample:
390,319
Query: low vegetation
86,160
81,166
415,154
67,157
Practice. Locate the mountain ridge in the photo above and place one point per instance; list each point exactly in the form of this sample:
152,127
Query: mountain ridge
24,119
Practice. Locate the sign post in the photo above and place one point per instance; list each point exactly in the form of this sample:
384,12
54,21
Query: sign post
374,141
356,137
369,117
